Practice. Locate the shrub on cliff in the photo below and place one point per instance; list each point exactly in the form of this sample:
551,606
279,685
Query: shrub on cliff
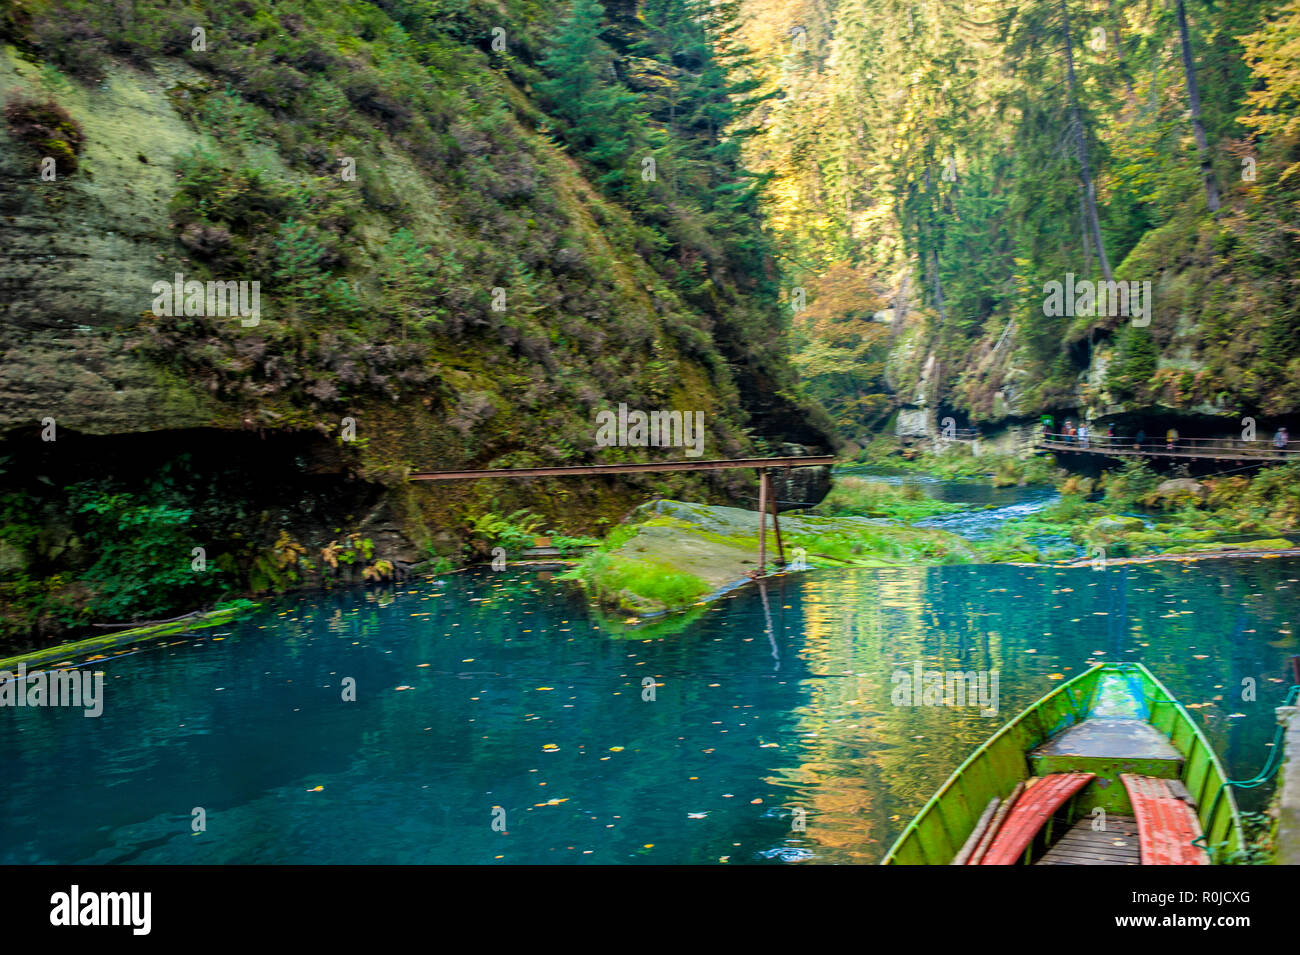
46,127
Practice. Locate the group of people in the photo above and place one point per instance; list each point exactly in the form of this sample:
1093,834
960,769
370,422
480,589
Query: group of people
1081,435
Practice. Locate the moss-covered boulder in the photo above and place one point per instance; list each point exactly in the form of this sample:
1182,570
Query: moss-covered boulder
1112,527
669,555
1178,492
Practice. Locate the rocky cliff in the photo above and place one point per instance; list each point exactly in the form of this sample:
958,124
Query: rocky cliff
444,280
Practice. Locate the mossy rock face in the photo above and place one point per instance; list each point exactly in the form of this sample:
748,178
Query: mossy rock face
679,553
1112,527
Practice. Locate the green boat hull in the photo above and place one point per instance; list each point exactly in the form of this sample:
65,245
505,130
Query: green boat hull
1176,749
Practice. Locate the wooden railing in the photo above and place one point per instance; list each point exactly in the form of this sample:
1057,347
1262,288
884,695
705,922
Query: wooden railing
1228,449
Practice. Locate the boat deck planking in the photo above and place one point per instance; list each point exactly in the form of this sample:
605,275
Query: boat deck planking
1083,845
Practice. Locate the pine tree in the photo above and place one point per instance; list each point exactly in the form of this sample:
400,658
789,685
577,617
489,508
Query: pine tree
584,90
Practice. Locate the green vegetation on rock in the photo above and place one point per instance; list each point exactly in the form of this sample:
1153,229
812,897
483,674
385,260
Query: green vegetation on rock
669,554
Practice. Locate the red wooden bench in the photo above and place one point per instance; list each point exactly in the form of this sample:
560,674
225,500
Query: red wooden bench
1036,805
1166,822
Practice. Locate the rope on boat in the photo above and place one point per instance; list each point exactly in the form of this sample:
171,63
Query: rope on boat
1265,774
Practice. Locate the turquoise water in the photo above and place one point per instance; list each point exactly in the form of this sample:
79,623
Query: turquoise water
517,699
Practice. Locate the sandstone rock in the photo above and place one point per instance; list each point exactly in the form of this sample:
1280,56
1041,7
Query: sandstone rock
1177,488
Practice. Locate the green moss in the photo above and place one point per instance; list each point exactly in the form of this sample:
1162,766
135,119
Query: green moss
1266,505
863,498
958,462
222,614
639,586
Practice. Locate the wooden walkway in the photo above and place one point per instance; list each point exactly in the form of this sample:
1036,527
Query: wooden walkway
1205,449
1083,845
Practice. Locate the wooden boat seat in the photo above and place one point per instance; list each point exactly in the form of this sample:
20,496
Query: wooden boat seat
1035,806
1166,821
1111,739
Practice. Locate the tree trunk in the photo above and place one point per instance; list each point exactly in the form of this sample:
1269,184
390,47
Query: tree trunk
937,284
1194,99
1083,228
1081,150
1119,55
900,303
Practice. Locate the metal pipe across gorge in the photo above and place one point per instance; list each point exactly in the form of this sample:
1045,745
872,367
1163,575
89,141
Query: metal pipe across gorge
809,461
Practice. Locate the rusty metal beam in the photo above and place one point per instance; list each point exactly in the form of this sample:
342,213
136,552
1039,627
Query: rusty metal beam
776,526
824,460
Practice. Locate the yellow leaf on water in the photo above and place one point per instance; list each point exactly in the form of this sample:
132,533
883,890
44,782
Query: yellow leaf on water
1056,676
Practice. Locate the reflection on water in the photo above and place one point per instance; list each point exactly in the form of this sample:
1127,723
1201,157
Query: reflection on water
498,690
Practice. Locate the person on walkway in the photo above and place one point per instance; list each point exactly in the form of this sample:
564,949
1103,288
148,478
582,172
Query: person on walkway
1139,439
1083,434
1171,438
1069,431
1110,435
1281,439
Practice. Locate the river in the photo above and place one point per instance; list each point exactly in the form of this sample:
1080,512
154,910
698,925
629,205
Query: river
485,698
